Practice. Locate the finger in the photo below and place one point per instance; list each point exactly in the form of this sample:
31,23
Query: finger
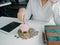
24,19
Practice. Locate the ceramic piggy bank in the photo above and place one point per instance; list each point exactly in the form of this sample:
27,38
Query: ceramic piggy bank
24,27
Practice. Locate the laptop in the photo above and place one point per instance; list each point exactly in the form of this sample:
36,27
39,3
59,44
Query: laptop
9,27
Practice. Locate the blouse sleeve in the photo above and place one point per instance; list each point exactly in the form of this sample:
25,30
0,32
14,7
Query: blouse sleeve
28,9
56,12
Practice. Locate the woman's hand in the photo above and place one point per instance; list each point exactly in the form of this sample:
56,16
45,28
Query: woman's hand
21,14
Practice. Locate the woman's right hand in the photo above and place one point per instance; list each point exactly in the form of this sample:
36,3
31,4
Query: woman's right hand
21,14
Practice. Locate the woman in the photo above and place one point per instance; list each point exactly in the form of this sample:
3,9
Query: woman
40,9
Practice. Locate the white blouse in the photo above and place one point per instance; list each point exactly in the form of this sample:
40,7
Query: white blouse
56,12
39,12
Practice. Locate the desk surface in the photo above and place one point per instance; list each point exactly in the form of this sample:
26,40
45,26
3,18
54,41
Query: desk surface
9,39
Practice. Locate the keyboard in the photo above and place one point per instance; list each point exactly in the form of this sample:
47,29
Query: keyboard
9,27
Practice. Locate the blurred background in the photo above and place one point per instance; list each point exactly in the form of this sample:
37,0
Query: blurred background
10,10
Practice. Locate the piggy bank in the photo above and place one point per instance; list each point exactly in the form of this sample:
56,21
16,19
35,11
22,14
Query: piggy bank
24,27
